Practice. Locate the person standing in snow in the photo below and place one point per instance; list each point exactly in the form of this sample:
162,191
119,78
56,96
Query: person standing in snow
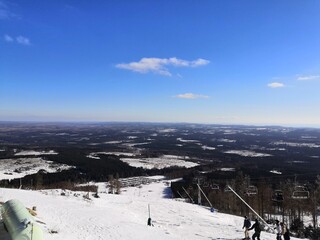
246,225
257,230
278,230
285,231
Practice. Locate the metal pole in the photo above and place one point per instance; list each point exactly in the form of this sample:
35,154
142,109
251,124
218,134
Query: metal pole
250,208
199,193
179,194
188,194
204,195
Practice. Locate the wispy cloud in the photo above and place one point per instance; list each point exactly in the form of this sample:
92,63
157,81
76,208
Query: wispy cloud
23,40
275,85
5,12
20,40
190,96
7,38
308,77
158,65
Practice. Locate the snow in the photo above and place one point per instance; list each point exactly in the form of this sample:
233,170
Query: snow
131,145
35,153
20,167
227,169
132,137
167,130
227,140
276,172
187,141
113,142
125,216
94,155
204,147
160,162
294,144
246,153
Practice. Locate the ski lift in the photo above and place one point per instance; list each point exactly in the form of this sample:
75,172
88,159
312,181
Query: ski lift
277,196
215,186
252,190
198,180
300,192
205,185
227,189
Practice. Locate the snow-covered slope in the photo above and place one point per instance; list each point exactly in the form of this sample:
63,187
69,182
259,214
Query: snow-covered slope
125,216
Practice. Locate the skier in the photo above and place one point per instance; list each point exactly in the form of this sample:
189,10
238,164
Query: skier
246,225
285,231
278,230
257,230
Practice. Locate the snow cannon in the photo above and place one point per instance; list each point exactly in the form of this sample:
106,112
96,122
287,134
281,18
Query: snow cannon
19,222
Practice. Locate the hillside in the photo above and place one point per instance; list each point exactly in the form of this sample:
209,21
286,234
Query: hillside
125,216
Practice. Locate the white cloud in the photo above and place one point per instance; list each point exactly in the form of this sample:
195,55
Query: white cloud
157,65
7,38
309,77
275,85
20,40
5,13
23,40
190,96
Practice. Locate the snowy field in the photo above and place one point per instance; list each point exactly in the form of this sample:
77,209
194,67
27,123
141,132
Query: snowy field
20,167
35,153
294,144
164,161
124,217
247,153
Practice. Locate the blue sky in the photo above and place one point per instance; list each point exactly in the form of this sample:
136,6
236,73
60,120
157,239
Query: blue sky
229,62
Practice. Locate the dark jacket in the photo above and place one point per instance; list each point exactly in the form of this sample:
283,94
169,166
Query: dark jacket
246,223
256,227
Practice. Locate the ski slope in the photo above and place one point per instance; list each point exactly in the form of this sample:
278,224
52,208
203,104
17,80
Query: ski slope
125,216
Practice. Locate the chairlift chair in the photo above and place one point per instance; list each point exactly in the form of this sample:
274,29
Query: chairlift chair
227,189
252,190
215,186
300,192
277,196
205,185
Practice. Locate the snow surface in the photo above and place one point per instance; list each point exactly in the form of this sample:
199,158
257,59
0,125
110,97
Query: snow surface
227,140
113,142
167,130
20,167
94,155
204,147
164,161
124,216
187,141
246,153
35,153
294,144
227,169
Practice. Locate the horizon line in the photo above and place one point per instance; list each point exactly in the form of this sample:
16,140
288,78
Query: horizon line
155,122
